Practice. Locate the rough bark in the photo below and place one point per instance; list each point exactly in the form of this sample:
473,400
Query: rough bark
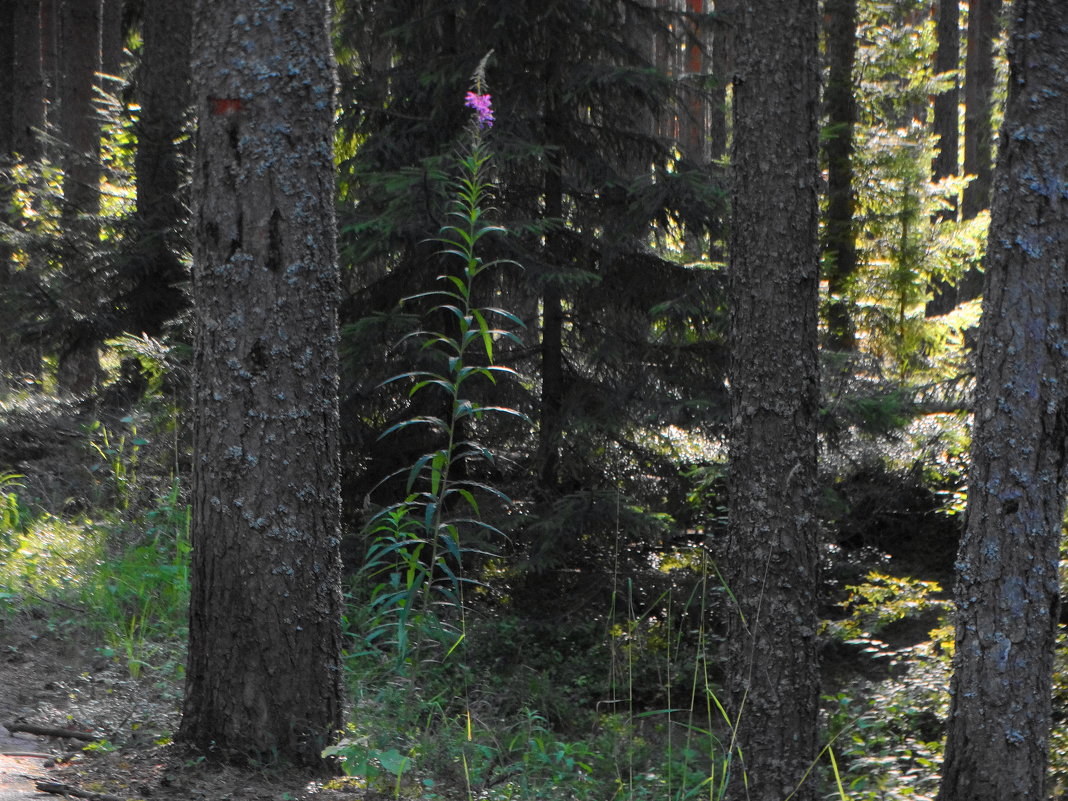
1007,593
155,295
839,247
770,566
264,671
946,129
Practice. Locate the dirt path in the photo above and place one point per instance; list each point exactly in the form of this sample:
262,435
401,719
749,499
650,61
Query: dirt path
18,773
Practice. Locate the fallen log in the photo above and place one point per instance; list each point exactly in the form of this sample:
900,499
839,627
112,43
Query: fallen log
50,731
57,788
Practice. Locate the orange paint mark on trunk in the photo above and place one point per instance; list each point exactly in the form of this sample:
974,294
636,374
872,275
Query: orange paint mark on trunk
224,105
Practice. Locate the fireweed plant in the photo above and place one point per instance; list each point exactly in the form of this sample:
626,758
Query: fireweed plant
418,545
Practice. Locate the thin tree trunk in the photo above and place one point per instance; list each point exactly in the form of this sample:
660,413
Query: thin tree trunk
693,139
79,63
111,40
50,57
551,423
839,247
978,127
947,103
722,64
26,114
264,678
1008,589
7,75
979,104
27,105
165,92
770,566
947,130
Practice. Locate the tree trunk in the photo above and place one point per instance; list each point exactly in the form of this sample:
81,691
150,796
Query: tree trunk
79,53
112,41
946,104
7,76
27,106
50,56
722,64
264,678
155,295
770,566
79,62
694,134
551,422
1007,592
947,130
27,119
839,247
978,105
978,127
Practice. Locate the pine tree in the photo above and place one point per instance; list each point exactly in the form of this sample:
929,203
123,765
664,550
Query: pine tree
263,681
619,335
1008,583
771,560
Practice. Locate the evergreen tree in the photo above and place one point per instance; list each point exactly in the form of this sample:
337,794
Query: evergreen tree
946,129
771,560
79,24
839,246
624,335
263,681
152,293
1008,584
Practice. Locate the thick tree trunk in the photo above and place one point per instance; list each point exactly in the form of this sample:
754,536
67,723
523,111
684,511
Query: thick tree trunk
1007,591
770,566
165,89
839,247
264,676
946,129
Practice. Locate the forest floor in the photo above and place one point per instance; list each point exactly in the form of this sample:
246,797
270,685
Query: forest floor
59,680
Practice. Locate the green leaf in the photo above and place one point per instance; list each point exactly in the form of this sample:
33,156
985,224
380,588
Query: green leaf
393,762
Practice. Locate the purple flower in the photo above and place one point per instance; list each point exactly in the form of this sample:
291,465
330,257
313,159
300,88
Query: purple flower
481,104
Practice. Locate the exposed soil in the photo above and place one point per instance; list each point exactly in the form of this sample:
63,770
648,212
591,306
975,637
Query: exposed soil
58,679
